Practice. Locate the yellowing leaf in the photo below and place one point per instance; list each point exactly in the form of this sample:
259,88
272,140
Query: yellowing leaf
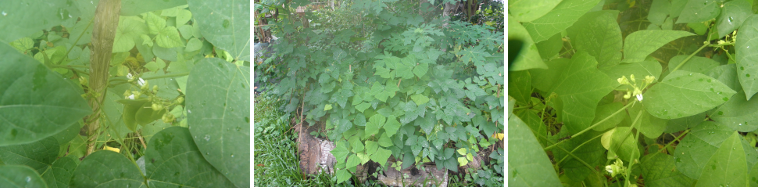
462,161
112,149
498,136
327,107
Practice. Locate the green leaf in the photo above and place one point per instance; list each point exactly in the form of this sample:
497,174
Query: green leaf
28,111
580,86
659,10
475,54
225,26
695,64
343,175
19,176
604,111
746,56
659,170
129,28
107,169
172,159
549,48
529,56
130,113
38,155
168,37
218,112
385,141
638,45
154,23
529,117
473,90
738,113
528,165
60,173
340,152
357,146
561,17
421,69
383,72
362,106
193,45
363,157
352,161
135,7
392,126
695,150
23,44
155,65
733,15
727,166
648,125
419,99
684,93
22,18
327,107
699,11
526,10
380,156
624,144
375,123
183,17
598,34
371,147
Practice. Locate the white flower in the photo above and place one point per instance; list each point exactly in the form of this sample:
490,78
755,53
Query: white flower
141,82
609,168
129,76
639,97
131,97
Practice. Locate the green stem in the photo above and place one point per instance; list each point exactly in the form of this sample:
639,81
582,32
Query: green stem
631,157
593,126
77,39
577,147
166,76
689,57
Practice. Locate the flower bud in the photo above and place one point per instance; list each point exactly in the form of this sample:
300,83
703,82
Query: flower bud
628,95
127,93
155,89
180,100
632,78
157,107
649,79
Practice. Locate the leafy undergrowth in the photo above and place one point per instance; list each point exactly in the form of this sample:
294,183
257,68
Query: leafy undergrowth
593,102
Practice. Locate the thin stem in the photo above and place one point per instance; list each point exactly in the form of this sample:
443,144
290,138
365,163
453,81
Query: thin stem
593,126
577,147
166,76
690,57
631,157
77,39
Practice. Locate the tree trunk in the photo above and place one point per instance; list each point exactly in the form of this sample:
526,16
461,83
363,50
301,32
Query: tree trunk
103,34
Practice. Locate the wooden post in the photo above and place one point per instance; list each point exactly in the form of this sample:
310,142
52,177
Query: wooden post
103,34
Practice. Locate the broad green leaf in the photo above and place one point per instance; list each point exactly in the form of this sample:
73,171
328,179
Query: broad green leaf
383,72
375,123
218,112
605,111
676,125
24,44
421,69
598,34
129,28
543,79
639,69
146,114
526,10
21,18
41,156
107,169
362,106
727,74
340,152
135,7
173,159
130,112
225,24
183,17
531,119
638,45
659,170
738,113
648,125
727,165
392,125
695,64
327,107
419,99
385,141
529,56
581,86
528,164
699,11
193,45
59,174
380,156
343,175
476,55
154,23
168,37
549,48
35,102
624,144
19,176
659,9
352,161
363,157
155,65
357,146
695,150
733,15
561,17
747,57
684,93
593,153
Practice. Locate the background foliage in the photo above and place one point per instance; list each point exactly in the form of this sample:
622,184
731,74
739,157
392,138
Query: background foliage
632,93
392,79
183,62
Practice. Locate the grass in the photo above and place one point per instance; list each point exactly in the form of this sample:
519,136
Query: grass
276,161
